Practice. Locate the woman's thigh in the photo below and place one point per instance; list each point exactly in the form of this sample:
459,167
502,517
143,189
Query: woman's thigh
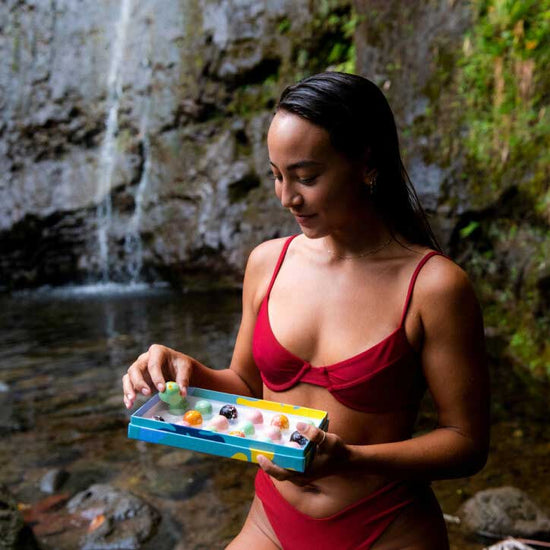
420,526
257,533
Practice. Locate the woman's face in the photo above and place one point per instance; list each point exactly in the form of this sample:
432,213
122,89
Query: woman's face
320,186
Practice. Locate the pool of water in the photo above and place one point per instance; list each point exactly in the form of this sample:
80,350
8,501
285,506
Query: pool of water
62,356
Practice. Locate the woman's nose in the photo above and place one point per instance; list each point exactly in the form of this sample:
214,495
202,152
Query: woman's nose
290,197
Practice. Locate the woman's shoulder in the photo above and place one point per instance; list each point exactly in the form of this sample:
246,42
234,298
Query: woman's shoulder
440,273
442,285
266,254
261,265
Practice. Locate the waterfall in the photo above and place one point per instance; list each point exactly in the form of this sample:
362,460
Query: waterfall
108,148
133,248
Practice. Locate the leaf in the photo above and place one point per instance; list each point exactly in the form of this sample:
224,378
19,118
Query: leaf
465,232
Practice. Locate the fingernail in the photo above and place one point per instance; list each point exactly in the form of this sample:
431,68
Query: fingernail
301,425
261,460
145,391
160,387
129,397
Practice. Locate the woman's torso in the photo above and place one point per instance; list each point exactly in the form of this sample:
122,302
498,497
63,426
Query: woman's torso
323,313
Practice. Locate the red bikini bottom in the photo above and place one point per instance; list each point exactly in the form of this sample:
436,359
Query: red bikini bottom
356,527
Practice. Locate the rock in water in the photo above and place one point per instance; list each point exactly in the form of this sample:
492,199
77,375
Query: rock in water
502,512
119,519
53,480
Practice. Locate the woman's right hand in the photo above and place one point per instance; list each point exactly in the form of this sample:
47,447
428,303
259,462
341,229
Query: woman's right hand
152,369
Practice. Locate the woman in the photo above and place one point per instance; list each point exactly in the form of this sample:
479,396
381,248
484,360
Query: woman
357,315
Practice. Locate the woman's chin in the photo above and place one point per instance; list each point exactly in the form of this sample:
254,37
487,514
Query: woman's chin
313,233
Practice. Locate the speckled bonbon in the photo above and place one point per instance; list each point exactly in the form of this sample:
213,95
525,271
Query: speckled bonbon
172,397
230,412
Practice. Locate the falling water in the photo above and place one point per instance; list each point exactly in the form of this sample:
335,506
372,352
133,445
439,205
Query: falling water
108,149
133,248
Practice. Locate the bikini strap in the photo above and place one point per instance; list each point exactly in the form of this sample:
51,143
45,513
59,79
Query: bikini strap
413,281
279,263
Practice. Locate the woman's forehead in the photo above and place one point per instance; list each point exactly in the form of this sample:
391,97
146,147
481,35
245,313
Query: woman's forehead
292,138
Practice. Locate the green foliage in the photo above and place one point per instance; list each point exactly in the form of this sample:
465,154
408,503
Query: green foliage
249,99
328,42
507,263
527,349
284,25
465,232
504,81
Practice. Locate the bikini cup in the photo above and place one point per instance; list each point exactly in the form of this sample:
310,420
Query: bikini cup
385,377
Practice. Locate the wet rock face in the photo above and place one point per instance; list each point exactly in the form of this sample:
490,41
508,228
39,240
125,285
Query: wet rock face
133,112
504,511
147,125
118,518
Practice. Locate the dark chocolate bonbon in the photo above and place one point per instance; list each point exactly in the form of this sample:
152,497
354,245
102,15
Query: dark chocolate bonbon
229,411
297,437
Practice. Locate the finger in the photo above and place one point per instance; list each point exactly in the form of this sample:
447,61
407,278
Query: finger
273,470
157,358
314,434
137,373
282,474
183,367
128,391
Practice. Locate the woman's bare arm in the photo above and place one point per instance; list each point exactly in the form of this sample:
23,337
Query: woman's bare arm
455,367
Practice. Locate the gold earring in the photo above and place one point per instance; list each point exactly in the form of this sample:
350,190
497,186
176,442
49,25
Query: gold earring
371,184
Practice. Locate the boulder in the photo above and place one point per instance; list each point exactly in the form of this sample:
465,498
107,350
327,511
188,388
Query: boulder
504,511
118,519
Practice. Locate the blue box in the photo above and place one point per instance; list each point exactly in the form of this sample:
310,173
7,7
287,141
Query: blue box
145,427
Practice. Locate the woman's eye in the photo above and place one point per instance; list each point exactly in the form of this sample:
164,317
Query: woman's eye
307,180
275,177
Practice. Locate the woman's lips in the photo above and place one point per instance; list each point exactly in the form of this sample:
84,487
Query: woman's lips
303,219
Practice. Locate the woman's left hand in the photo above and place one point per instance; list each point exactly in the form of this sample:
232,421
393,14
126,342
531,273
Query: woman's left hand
331,456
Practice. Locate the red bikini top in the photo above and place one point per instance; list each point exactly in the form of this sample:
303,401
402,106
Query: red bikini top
385,377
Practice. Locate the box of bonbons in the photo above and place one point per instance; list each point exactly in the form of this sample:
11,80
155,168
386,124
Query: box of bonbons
228,425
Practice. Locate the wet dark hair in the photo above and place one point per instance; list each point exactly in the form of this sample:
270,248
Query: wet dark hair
358,118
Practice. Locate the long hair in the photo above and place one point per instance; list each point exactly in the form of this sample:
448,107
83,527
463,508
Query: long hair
358,118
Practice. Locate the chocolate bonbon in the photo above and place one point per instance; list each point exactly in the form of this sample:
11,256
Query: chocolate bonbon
255,416
248,428
193,418
172,397
204,407
220,422
297,437
273,433
230,412
280,421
